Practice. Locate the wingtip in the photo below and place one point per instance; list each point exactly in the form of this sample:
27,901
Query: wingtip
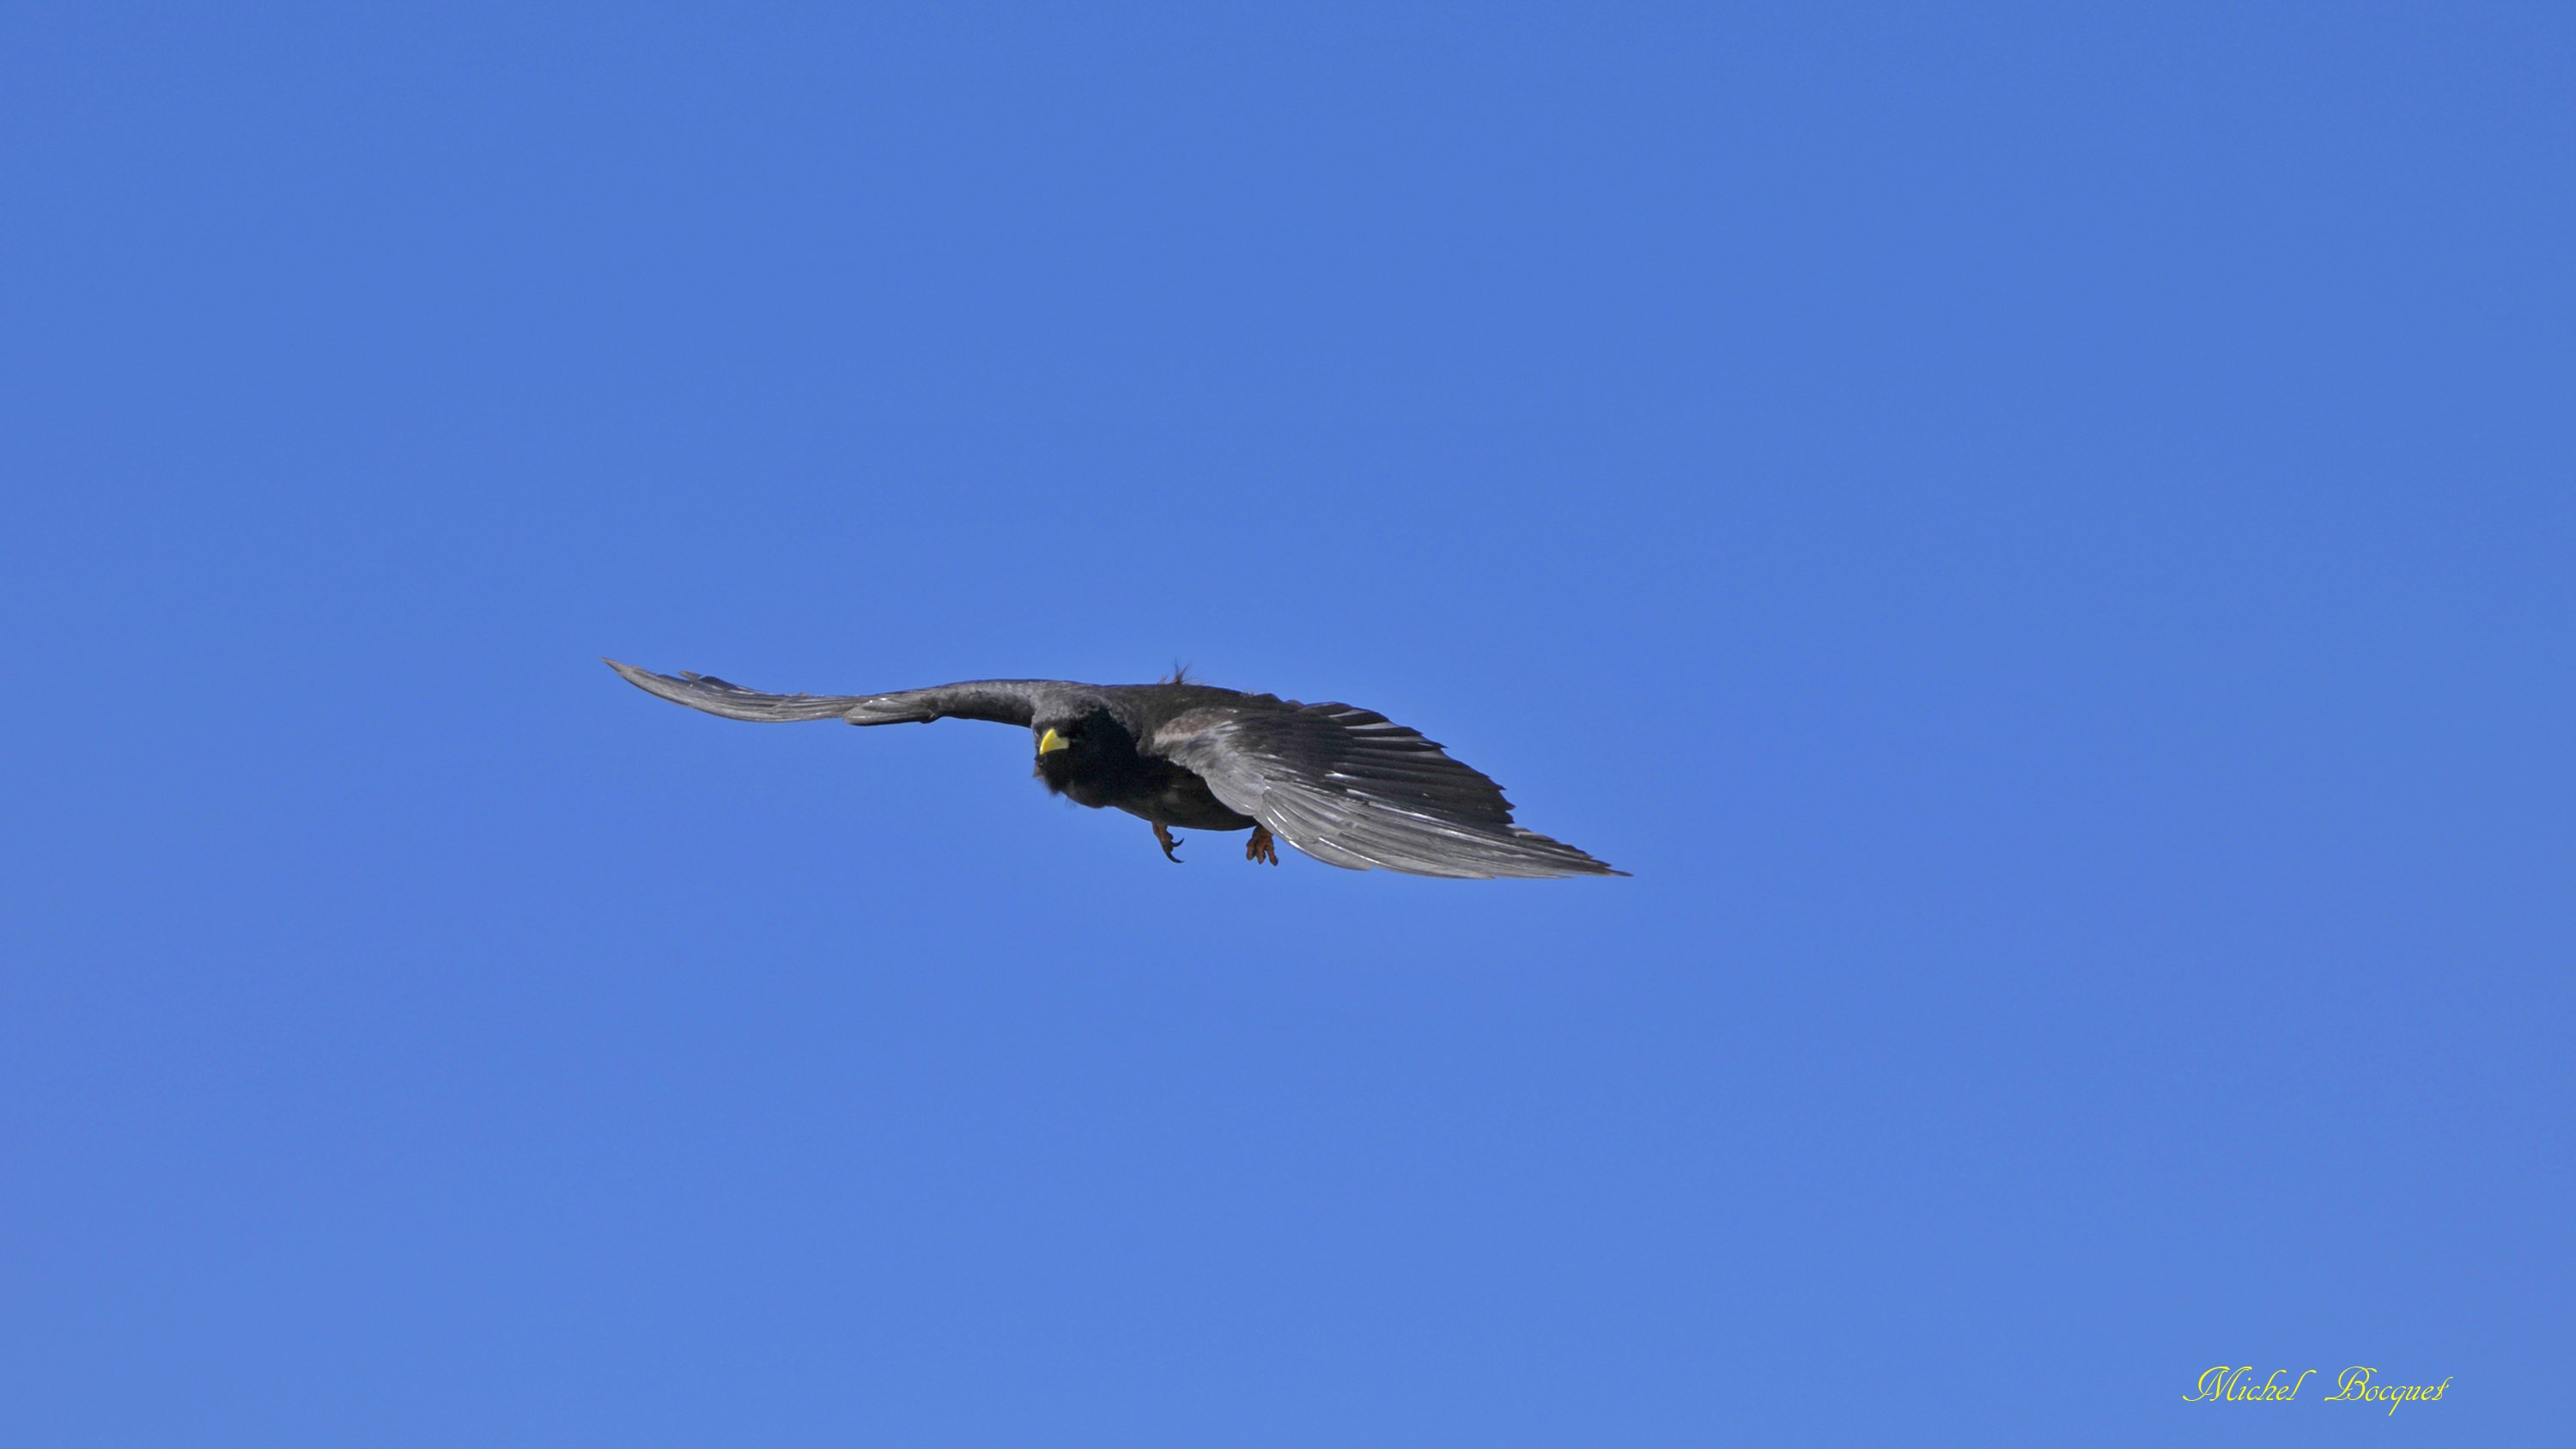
632,674
1593,868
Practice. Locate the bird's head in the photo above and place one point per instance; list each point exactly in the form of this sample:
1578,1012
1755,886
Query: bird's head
1076,746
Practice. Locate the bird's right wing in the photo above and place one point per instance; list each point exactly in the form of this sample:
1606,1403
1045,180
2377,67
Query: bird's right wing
1352,788
1001,701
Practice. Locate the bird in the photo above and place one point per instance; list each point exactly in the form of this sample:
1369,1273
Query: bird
1345,785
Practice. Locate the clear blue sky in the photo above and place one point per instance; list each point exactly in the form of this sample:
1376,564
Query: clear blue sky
2043,539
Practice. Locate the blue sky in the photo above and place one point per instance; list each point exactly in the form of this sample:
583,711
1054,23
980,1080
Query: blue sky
2041,538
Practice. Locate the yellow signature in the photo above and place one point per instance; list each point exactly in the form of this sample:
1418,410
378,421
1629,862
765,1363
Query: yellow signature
2356,1384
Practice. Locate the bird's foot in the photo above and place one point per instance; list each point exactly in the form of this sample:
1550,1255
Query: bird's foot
1261,846
1163,837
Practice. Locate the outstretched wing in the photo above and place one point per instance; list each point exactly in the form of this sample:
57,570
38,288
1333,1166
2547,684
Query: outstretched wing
1002,701
1351,788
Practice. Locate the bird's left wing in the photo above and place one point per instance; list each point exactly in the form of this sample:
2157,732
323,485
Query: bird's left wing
1352,788
1001,701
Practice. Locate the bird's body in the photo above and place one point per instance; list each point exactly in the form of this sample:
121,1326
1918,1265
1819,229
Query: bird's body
1114,771
1345,785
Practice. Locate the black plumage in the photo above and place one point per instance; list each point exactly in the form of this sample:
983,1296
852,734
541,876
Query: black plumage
1347,786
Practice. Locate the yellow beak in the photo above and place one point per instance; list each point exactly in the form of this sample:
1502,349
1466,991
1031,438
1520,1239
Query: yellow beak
1050,742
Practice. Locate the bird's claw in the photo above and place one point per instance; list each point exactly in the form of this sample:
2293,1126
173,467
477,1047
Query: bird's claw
1261,846
1163,837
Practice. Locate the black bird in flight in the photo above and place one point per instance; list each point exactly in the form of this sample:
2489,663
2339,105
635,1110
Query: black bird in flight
1344,785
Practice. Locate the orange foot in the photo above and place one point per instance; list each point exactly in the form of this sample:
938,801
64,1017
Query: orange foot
1261,846
1164,838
